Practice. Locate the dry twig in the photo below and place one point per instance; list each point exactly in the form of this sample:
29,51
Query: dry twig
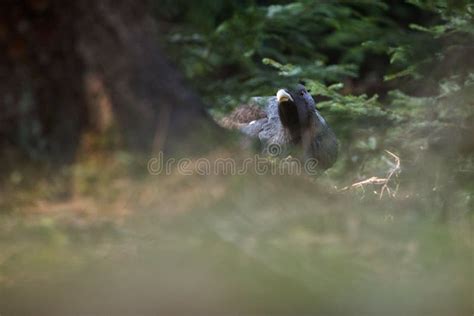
380,181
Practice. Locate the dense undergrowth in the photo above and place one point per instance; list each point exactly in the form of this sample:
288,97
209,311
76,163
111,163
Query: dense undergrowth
388,76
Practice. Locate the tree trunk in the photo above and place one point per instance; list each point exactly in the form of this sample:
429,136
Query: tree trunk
119,40
42,105
46,47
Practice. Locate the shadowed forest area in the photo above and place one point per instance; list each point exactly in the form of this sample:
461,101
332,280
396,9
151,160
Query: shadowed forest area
114,113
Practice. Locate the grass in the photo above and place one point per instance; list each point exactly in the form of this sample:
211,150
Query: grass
126,242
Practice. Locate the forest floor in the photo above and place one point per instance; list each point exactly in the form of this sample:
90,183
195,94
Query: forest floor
126,241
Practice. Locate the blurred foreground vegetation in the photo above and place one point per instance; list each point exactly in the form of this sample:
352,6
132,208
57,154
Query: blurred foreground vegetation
394,79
